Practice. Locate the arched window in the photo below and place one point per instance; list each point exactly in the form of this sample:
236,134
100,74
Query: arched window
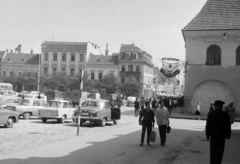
213,55
238,56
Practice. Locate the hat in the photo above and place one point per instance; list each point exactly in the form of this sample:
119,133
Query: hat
219,102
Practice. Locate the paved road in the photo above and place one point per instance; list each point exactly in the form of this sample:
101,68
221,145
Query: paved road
33,133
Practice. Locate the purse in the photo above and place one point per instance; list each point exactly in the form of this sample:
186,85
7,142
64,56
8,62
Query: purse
140,122
152,137
168,129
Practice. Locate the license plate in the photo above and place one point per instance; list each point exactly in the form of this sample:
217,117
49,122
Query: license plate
84,114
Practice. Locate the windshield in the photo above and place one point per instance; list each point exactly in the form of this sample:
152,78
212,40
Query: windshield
93,104
53,104
25,102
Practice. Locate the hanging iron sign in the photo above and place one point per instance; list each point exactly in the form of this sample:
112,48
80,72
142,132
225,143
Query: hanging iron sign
170,67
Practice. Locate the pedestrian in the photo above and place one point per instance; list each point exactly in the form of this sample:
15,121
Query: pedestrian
162,119
170,105
119,102
142,103
211,107
231,112
136,106
218,128
39,96
154,104
198,113
147,118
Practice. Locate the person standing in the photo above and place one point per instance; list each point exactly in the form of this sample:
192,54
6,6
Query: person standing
218,128
136,106
154,104
119,102
231,112
142,103
198,113
211,107
147,118
162,119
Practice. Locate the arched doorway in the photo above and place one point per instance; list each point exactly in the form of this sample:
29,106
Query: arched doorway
209,91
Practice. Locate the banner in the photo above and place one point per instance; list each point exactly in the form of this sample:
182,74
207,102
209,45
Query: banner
170,67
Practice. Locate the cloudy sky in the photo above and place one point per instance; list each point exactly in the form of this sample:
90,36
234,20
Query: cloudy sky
152,25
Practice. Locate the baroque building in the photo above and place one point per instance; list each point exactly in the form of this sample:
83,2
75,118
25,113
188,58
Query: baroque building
212,44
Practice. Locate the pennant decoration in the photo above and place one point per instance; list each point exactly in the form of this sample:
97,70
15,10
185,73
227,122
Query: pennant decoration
170,67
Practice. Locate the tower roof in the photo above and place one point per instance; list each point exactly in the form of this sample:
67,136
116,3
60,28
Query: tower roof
216,15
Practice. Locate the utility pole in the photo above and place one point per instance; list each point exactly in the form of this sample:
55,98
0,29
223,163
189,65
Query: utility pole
80,96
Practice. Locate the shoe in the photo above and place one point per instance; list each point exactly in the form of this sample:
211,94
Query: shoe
141,144
149,144
163,144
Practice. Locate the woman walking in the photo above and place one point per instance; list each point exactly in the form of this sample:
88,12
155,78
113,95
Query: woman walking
231,112
198,113
162,118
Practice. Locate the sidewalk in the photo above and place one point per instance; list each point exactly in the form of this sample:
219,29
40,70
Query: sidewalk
198,152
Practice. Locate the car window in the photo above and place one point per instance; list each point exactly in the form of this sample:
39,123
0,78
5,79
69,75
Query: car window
53,104
65,105
107,105
9,100
25,102
36,103
44,103
70,105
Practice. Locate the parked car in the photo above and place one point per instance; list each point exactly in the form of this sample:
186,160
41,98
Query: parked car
61,110
7,117
28,107
97,111
130,101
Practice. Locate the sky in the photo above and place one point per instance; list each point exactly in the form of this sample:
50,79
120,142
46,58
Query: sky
152,25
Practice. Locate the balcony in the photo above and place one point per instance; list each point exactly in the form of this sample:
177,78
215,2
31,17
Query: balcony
121,73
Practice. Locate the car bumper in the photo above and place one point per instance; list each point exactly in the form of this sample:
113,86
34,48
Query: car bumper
86,118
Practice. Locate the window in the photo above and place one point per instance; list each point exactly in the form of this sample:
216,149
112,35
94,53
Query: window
63,69
123,68
92,75
100,75
130,68
122,80
63,57
36,103
137,68
11,73
55,57
19,73
46,56
238,56
213,55
4,73
81,57
45,70
72,57
72,71
54,70
133,56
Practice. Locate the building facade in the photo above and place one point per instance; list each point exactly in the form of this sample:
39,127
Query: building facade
213,56
137,63
67,57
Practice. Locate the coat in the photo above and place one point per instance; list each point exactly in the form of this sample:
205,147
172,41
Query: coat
218,124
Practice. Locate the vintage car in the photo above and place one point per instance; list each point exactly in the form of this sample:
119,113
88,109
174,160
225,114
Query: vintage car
61,110
7,117
130,101
97,111
5,100
28,107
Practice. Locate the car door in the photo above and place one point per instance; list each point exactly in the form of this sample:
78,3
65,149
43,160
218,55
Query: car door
108,109
70,110
35,107
2,115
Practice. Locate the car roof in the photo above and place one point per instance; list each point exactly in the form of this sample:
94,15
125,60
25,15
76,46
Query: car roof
96,100
59,100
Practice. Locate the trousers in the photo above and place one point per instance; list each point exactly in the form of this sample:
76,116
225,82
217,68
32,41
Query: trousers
217,145
149,130
162,133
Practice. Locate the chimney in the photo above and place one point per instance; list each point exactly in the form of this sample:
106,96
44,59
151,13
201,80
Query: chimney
31,51
19,48
11,51
106,51
6,50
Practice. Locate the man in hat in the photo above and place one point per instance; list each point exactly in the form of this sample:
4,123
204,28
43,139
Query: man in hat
218,128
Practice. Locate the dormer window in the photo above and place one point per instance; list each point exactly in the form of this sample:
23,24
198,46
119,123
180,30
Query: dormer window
110,60
98,60
8,59
23,60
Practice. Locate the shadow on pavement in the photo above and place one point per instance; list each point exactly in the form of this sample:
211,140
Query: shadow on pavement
111,149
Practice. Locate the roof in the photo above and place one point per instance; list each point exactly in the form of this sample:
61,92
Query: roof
64,46
216,15
131,48
21,58
103,59
1,54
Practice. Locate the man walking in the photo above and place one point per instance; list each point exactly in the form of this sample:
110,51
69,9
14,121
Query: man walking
218,128
136,106
142,103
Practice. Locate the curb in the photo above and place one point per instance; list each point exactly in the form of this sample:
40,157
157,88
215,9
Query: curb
183,155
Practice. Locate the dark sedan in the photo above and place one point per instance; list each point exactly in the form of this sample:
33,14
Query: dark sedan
7,117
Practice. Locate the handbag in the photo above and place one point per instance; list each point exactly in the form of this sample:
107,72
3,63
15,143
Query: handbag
140,122
152,137
168,129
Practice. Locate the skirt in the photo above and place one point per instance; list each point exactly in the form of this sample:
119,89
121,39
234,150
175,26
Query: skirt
197,113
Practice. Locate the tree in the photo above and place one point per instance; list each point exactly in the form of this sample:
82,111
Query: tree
109,82
131,86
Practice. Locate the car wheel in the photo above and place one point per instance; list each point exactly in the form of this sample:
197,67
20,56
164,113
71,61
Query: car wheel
62,120
103,122
44,120
9,122
26,115
115,122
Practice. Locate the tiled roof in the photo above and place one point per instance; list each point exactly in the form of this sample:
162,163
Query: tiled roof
21,58
103,59
1,55
131,48
64,46
216,15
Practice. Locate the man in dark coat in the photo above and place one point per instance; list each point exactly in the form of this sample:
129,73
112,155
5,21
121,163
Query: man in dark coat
218,128
147,118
